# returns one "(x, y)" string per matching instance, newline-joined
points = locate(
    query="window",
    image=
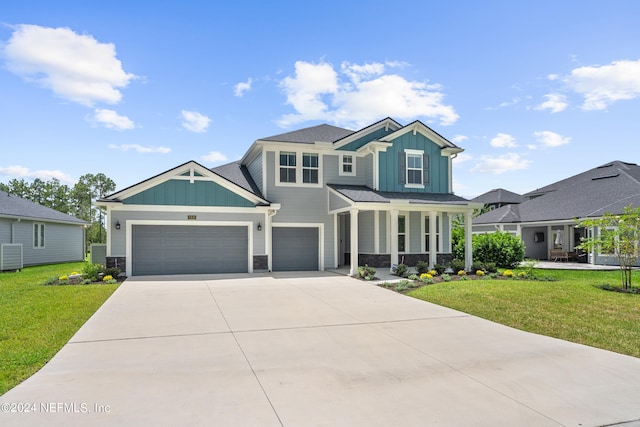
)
(414, 169)
(38, 235)
(426, 233)
(402, 233)
(287, 167)
(309, 168)
(347, 164)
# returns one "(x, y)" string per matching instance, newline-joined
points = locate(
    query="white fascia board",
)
(448, 151)
(419, 127)
(191, 209)
(387, 123)
(379, 145)
(176, 173)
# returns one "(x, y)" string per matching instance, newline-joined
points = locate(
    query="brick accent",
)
(117, 262)
(260, 262)
(384, 260)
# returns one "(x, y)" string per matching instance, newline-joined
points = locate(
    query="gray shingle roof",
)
(310, 135)
(361, 193)
(238, 175)
(14, 206)
(499, 195)
(607, 188)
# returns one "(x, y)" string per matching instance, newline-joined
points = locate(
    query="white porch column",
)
(354, 242)
(393, 236)
(376, 232)
(433, 242)
(468, 250)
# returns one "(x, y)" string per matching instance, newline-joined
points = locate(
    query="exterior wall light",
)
(259, 227)
(117, 225)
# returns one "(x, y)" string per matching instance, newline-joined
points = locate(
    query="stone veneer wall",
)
(260, 262)
(384, 260)
(117, 262)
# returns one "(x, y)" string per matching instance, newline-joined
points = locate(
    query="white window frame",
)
(407, 154)
(298, 168)
(288, 167)
(406, 233)
(39, 235)
(425, 232)
(311, 168)
(342, 164)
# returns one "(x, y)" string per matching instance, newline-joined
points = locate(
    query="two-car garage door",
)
(173, 249)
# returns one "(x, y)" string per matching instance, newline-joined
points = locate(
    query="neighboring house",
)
(498, 198)
(318, 198)
(32, 234)
(546, 221)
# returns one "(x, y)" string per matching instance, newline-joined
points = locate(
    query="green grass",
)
(36, 320)
(571, 308)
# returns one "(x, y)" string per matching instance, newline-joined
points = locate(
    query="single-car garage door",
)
(163, 249)
(295, 249)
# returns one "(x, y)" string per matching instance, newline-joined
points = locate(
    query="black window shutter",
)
(426, 176)
(402, 173)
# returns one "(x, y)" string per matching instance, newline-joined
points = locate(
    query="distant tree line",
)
(75, 200)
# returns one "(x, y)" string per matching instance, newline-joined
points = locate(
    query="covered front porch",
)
(384, 229)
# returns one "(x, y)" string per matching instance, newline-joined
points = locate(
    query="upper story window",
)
(310, 168)
(347, 164)
(298, 169)
(38, 235)
(287, 167)
(414, 168)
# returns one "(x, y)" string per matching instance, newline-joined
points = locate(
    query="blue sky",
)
(534, 91)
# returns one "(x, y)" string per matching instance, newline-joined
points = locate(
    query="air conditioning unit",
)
(10, 256)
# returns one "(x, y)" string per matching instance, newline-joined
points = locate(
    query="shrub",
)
(107, 278)
(426, 276)
(432, 273)
(462, 273)
(112, 271)
(504, 249)
(480, 273)
(366, 272)
(490, 267)
(91, 271)
(413, 277)
(477, 265)
(63, 278)
(85, 282)
(401, 270)
(508, 273)
(427, 280)
(457, 264)
(402, 286)
(51, 281)
(464, 277)
(422, 267)
(439, 268)
(446, 277)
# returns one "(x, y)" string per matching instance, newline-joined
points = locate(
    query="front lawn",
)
(571, 308)
(37, 320)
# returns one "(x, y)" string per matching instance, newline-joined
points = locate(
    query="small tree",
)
(618, 234)
(501, 248)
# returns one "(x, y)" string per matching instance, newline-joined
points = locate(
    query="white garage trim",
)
(131, 223)
(318, 225)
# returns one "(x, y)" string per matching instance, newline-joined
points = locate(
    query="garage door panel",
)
(295, 248)
(158, 249)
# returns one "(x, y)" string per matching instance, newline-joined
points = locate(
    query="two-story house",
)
(318, 198)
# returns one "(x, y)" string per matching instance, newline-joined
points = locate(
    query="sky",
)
(534, 91)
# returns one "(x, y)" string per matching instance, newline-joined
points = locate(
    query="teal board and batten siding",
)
(184, 193)
(390, 168)
(354, 145)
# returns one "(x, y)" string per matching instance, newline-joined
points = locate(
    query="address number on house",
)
(192, 217)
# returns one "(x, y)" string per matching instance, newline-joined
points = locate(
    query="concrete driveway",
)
(313, 349)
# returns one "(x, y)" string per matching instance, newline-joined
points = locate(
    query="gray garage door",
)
(295, 249)
(158, 249)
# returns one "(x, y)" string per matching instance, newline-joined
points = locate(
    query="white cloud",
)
(73, 66)
(140, 148)
(554, 102)
(194, 121)
(242, 87)
(112, 120)
(501, 164)
(462, 157)
(551, 139)
(601, 86)
(360, 94)
(44, 174)
(553, 77)
(459, 138)
(214, 157)
(503, 140)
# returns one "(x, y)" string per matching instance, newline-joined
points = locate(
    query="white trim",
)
(376, 232)
(318, 225)
(424, 216)
(386, 123)
(131, 222)
(42, 242)
(194, 209)
(341, 171)
(410, 152)
(336, 241)
(407, 232)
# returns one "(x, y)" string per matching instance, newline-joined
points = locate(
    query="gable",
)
(435, 165)
(176, 192)
(363, 140)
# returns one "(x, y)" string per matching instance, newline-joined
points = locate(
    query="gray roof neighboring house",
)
(607, 188)
(499, 196)
(17, 207)
(361, 193)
